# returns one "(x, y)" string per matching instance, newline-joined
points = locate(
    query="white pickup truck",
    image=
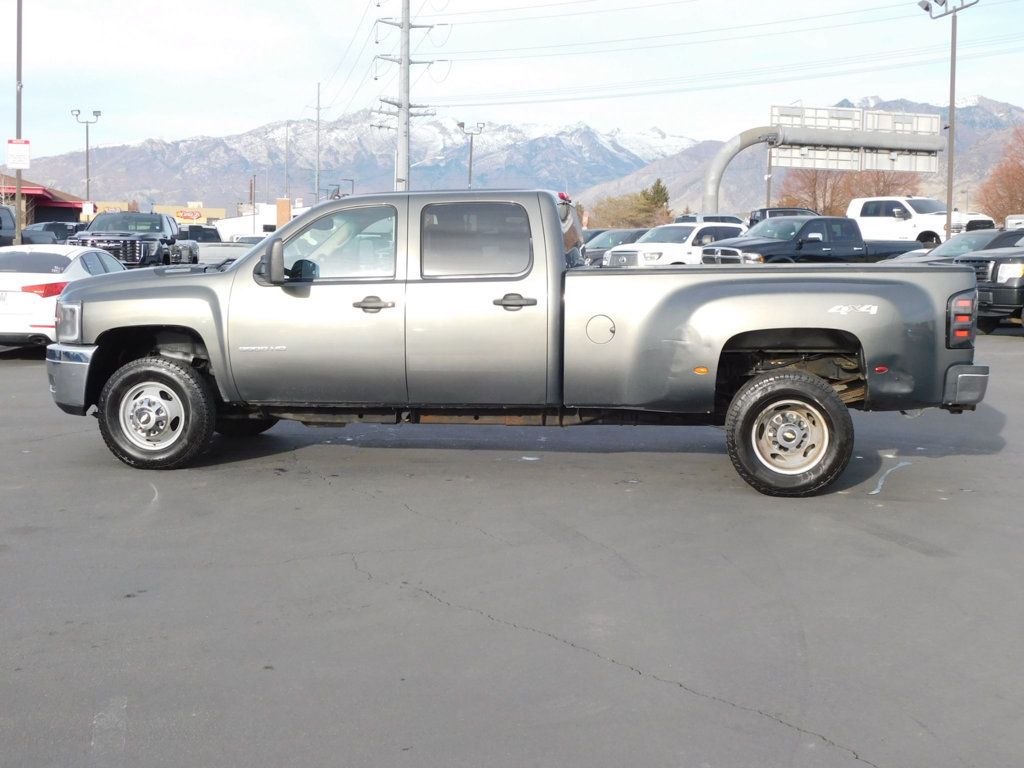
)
(911, 218)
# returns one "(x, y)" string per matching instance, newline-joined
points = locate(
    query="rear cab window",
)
(475, 239)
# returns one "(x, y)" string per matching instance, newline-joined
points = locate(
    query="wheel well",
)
(834, 355)
(122, 345)
(928, 237)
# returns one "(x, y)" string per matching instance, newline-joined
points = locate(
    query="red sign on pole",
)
(18, 154)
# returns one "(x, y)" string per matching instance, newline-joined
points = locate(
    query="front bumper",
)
(965, 385)
(67, 366)
(995, 300)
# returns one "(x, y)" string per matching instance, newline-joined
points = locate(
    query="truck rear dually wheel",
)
(157, 413)
(788, 433)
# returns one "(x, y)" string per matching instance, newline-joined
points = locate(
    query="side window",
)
(93, 265)
(891, 208)
(470, 239)
(705, 235)
(109, 262)
(6, 219)
(815, 227)
(842, 231)
(724, 233)
(872, 208)
(353, 243)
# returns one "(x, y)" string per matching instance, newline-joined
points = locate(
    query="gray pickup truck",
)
(461, 308)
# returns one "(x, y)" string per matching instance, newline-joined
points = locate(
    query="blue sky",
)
(700, 68)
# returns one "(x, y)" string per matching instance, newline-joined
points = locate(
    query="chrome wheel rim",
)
(152, 416)
(790, 437)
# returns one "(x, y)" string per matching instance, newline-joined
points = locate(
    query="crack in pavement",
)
(641, 673)
(458, 524)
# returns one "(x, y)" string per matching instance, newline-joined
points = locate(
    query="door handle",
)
(513, 302)
(826, 249)
(373, 304)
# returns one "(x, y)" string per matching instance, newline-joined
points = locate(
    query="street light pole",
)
(17, 173)
(96, 116)
(471, 133)
(931, 7)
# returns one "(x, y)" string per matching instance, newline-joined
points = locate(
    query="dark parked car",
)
(28, 237)
(1000, 275)
(61, 230)
(139, 239)
(596, 248)
(590, 234)
(967, 242)
(814, 239)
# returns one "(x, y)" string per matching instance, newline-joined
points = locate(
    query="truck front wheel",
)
(157, 413)
(788, 433)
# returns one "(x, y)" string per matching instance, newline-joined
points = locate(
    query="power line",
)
(516, 19)
(503, 10)
(693, 32)
(351, 42)
(721, 81)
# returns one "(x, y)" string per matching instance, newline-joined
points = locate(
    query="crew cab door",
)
(477, 304)
(335, 333)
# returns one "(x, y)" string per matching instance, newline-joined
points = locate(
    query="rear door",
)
(477, 303)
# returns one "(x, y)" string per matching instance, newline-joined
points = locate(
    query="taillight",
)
(45, 290)
(960, 314)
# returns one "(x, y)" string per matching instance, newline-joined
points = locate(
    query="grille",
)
(125, 251)
(982, 269)
(720, 256)
(622, 258)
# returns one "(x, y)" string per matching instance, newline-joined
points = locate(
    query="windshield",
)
(965, 243)
(776, 229)
(927, 205)
(34, 262)
(667, 234)
(126, 222)
(611, 238)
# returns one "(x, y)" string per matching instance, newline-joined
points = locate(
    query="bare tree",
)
(1002, 194)
(830, 192)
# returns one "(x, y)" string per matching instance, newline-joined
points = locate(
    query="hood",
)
(754, 244)
(139, 283)
(100, 235)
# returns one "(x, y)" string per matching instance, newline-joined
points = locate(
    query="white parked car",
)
(911, 218)
(669, 244)
(31, 279)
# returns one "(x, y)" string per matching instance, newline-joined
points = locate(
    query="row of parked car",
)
(786, 235)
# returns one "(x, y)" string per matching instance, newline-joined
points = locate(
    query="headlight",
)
(652, 255)
(1008, 272)
(606, 260)
(751, 258)
(68, 321)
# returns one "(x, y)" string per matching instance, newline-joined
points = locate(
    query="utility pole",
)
(402, 104)
(937, 10)
(287, 189)
(768, 181)
(17, 173)
(316, 181)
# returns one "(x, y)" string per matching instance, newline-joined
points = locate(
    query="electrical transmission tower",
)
(404, 110)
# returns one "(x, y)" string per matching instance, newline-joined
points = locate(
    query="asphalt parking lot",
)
(488, 596)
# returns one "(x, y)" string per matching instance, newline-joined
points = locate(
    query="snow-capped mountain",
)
(217, 170)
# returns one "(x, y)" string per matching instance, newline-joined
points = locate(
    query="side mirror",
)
(273, 262)
(899, 213)
(813, 237)
(707, 240)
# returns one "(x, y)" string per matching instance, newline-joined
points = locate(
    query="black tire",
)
(815, 419)
(167, 394)
(780, 260)
(986, 325)
(243, 427)
(929, 238)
